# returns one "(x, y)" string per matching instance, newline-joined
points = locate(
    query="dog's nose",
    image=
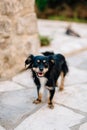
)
(41, 69)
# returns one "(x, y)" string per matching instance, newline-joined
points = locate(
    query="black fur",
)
(49, 66)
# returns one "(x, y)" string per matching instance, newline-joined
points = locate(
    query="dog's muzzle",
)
(40, 74)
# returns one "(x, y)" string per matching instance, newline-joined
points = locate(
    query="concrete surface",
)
(17, 112)
(60, 42)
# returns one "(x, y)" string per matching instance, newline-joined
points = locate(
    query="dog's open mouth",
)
(40, 74)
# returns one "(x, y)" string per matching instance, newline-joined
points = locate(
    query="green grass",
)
(63, 18)
(44, 40)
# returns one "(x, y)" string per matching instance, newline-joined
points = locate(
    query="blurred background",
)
(70, 10)
(32, 26)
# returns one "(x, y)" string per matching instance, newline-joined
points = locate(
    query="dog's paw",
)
(37, 101)
(61, 89)
(50, 105)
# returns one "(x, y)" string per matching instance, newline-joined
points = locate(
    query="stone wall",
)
(18, 35)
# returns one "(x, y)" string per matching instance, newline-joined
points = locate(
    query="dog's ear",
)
(51, 60)
(29, 61)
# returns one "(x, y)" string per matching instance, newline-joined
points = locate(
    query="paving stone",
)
(67, 44)
(24, 79)
(80, 28)
(62, 43)
(76, 76)
(59, 118)
(15, 106)
(74, 96)
(83, 126)
(81, 58)
(9, 86)
(52, 27)
(1, 128)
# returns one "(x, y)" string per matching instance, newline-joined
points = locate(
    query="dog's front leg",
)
(50, 103)
(38, 100)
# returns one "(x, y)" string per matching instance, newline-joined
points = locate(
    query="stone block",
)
(83, 126)
(26, 24)
(1, 128)
(5, 26)
(73, 96)
(25, 79)
(10, 7)
(15, 106)
(20, 47)
(9, 86)
(60, 118)
(75, 76)
(18, 35)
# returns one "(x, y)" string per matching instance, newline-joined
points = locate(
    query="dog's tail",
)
(65, 68)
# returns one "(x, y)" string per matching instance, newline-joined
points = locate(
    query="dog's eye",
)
(44, 61)
(38, 61)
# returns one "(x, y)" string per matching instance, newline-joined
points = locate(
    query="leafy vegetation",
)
(45, 41)
(70, 10)
(63, 18)
(41, 4)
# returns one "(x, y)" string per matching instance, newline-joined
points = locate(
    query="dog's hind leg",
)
(65, 70)
(61, 87)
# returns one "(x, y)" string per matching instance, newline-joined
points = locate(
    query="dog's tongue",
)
(40, 74)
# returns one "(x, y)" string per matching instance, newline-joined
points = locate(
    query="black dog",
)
(46, 70)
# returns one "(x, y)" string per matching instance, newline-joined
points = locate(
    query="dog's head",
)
(39, 64)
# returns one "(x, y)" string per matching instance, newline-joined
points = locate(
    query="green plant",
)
(45, 41)
(69, 10)
(41, 4)
(64, 18)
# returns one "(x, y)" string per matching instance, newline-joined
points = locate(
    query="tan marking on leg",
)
(40, 96)
(38, 100)
(50, 103)
(61, 87)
